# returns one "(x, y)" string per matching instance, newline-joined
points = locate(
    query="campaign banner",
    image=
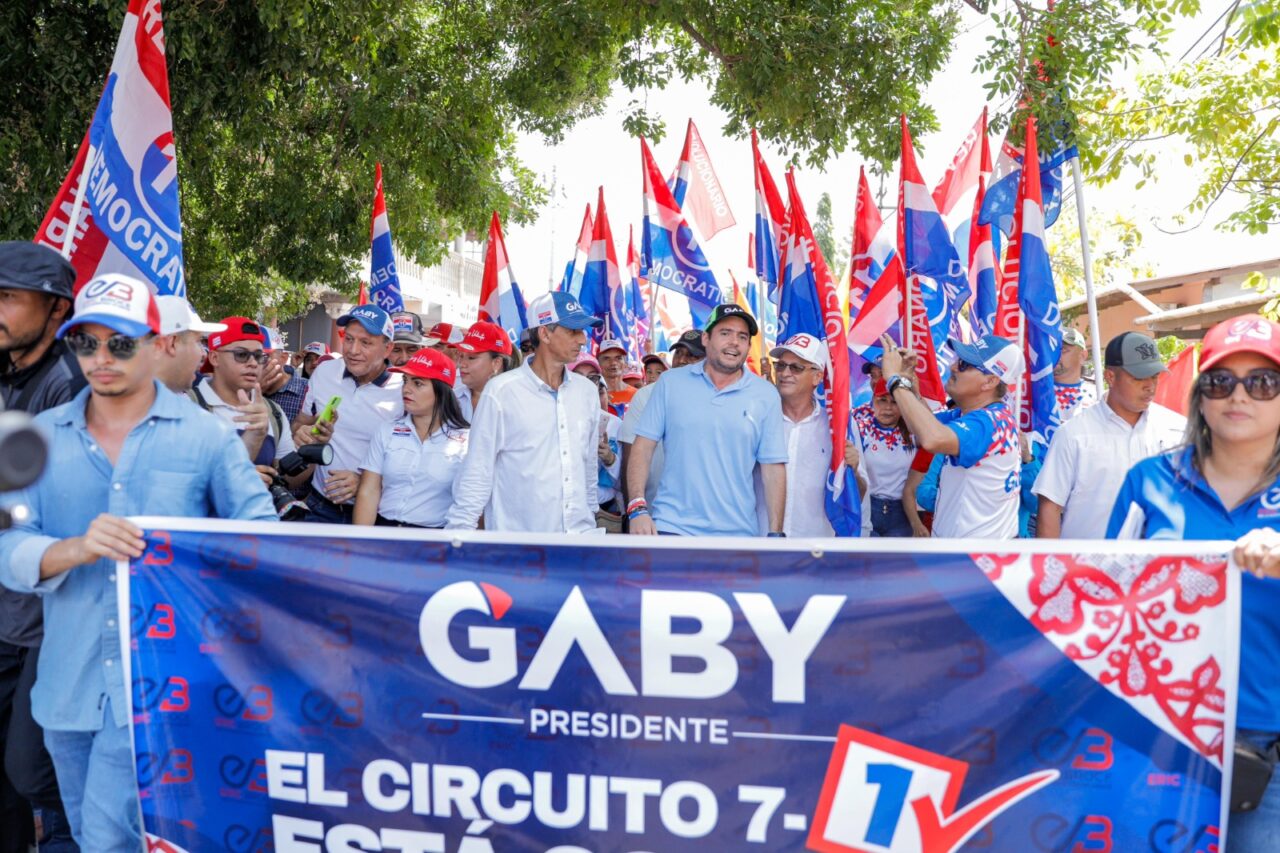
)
(321, 688)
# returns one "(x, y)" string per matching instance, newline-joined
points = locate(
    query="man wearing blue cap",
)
(979, 489)
(371, 396)
(531, 460)
(122, 447)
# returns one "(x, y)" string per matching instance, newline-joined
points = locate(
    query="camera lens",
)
(23, 451)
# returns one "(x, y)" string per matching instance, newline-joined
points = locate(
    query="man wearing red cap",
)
(445, 337)
(123, 447)
(483, 353)
(233, 392)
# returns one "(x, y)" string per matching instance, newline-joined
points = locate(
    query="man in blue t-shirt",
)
(716, 422)
(978, 489)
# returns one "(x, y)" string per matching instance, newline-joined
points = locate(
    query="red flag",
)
(916, 334)
(970, 161)
(1174, 387)
(866, 222)
(697, 189)
(362, 297)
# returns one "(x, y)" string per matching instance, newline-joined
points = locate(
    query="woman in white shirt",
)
(408, 475)
(887, 451)
(484, 352)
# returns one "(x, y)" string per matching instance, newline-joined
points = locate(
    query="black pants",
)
(27, 778)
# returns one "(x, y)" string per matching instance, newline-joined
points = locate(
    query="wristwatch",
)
(896, 382)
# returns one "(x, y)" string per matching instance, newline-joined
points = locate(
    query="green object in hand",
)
(326, 414)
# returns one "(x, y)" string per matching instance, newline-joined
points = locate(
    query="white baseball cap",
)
(610, 344)
(119, 302)
(811, 349)
(177, 315)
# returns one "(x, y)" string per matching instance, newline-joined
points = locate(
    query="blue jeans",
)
(327, 512)
(99, 788)
(1257, 831)
(888, 518)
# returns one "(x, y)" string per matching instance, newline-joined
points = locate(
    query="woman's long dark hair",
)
(447, 412)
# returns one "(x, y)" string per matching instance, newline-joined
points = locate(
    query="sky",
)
(598, 152)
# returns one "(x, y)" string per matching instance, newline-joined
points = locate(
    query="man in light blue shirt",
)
(716, 422)
(123, 446)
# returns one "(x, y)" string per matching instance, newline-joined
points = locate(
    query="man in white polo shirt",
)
(370, 397)
(799, 366)
(979, 489)
(1090, 455)
(531, 463)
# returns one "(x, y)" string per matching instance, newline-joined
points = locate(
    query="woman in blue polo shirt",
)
(413, 462)
(1225, 484)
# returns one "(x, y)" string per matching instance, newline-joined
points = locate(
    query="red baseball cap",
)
(429, 364)
(486, 337)
(238, 329)
(444, 333)
(1249, 333)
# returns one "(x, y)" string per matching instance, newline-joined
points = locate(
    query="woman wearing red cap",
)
(887, 451)
(483, 353)
(1224, 483)
(408, 475)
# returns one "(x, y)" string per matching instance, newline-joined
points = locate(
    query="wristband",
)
(775, 534)
(636, 513)
(636, 503)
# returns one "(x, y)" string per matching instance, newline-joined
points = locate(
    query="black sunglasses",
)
(122, 347)
(1261, 384)
(242, 356)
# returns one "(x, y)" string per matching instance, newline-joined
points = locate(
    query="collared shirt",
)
(1165, 497)
(362, 412)
(714, 438)
(1089, 457)
(627, 435)
(177, 461)
(979, 488)
(808, 443)
(886, 454)
(290, 397)
(271, 448)
(531, 465)
(1074, 398)
(463, 393)
(418, 476)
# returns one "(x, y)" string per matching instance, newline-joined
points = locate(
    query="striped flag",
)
(500, 298)
(384, 290)
(696, 188)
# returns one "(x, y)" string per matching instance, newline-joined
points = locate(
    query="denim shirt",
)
(178, 461)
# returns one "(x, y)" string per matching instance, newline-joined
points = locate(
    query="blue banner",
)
(314, 688)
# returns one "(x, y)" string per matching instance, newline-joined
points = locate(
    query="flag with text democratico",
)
(771, 224)
(500, 299)
(130, 221)
(384, 290)
(1039, 303)
(697, 190)
(811, 306)
(578, 266)
(929, 259)
(675, 259)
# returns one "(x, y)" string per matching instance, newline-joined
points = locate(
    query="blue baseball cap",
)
(992, 354)
(374, 319)
(560, 309)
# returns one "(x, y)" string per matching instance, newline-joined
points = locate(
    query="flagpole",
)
(79, 203)
(1091, 298)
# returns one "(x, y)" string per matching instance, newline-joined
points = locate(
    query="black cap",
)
(725, 310)
(30, 266)
(692, 341)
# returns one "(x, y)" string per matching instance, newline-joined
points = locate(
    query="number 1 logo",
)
(882, 796)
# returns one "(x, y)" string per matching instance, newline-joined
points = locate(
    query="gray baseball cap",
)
(1135, 354)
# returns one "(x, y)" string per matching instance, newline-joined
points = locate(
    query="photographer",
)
(37, 372)
(123, 447)
(408, 474)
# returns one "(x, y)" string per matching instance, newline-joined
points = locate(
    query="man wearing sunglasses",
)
(979, 489)
(37, 372)
(1091, 453)
(233, 392)
(123, 447)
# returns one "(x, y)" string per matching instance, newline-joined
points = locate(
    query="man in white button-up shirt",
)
(531, 465)
(1091, 454)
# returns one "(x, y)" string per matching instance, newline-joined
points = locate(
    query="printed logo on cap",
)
(110, 290)
(570, 305)
(800, 341)
(1258, 330)
(402, 324)
(1147, 352)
